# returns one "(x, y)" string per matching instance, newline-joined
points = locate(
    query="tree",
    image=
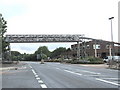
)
(57, 52)
(15, 55)
(4, 46)
(43, 50)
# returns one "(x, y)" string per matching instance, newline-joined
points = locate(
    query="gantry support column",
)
(9, 47)
(95, 49)
(78, 51)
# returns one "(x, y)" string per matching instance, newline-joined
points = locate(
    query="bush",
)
(53, 60)
(95, 60)
(89, 60)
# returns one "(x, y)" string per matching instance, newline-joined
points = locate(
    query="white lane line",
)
(58, 68)
(43, 86)
(73, 72)
(94, 75)
(40, 81)
(38, 78)
(33, 72)
(90, 72)
(111, 78)
(30, 66)
(107, 81)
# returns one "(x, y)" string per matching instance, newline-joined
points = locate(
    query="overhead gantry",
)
(38, 38)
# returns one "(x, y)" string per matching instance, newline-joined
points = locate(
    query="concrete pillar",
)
(9, 53)
(95, 49)
(78, 50)
(110, 50)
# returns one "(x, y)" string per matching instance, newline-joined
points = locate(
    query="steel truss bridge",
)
(33, 38)
(37, 38)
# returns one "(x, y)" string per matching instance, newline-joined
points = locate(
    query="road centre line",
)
(73, 72)
(107, 81)
(43, 86)
(33, 71)
(38, 79)
(36, 76)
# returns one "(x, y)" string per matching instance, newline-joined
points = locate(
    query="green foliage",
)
(44, 51)
(54, 60)
(57, 52)
(95, 60)
(29, 57)
(15, 55)
(3, 30)
(89, 60)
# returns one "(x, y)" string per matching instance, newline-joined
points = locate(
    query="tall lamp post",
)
(111, 45)
(111, 35)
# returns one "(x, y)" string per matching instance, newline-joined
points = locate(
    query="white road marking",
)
(30, 66)
(36, 75)
(73, 72)
(58, 68)
(40, 81)
(107, 81)
(90, 72)
(94, 75)
(33, 71)
(43, 86)
(112, 78)
(38, 78)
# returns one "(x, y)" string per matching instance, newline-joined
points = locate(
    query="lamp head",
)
(111, 18)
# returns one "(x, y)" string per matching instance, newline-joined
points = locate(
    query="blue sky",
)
(89, 17)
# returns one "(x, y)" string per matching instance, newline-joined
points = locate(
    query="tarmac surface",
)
(57, 75)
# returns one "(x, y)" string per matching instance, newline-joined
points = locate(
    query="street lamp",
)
(111, 35)
(111, 28)
(110, 48)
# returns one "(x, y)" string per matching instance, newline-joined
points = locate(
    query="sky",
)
(88, 17)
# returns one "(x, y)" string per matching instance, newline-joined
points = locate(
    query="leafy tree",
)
(4, 46)
(15, 55)
(57, 52)
(43, 50)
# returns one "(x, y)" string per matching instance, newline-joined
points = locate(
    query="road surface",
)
(57, 75)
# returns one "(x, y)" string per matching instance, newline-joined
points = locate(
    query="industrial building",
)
(102, 49)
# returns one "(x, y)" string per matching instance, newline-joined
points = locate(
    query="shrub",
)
(95, 60)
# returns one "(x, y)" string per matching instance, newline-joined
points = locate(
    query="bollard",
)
(42, 61)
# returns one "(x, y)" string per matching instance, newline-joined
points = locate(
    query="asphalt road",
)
(56, 75)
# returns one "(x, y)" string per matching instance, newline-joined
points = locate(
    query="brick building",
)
(88, 49)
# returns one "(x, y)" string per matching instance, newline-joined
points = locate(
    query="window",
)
(88, 46)
(97, 46)
(107, 46)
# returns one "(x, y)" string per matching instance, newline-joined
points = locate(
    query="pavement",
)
(57, 75)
